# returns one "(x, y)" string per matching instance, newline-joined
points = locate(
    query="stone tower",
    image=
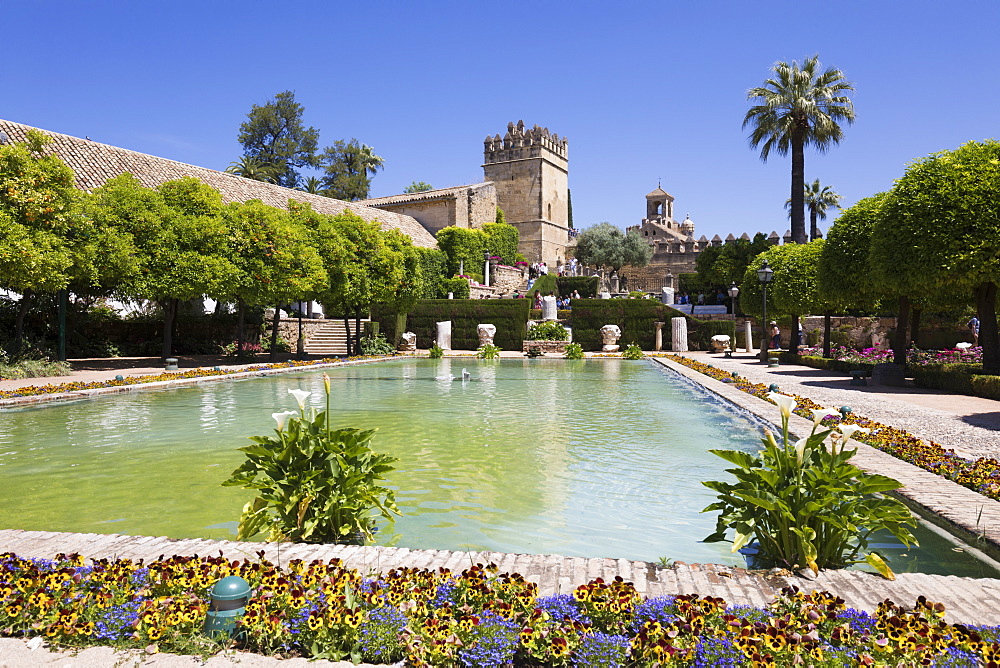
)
(660, 207)
(530, 170)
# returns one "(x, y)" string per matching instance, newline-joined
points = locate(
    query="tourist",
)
(543, 270)
(572, 266)
(576, 294)
(559, 269)
(538, 300)
(701, 299)
(974, 328)
(775, 335)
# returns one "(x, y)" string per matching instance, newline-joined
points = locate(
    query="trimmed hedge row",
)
(959, 378)
(823, 363)
(635, 317)
(585, 285)
(509, 315)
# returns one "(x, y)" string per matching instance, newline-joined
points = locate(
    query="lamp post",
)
(734, 292)
(765, 275)
(486, 268)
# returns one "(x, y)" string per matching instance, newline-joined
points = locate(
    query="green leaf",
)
(879, 565)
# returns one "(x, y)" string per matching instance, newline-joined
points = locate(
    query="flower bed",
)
(914, 356)
(476, 618)
(981, 475)
(61, 388)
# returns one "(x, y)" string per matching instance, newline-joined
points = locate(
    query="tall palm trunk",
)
(900, 341)
(813, 228)
(826, 335)
(169, 319)
(793, 340)
(798, 187)
(989, 337)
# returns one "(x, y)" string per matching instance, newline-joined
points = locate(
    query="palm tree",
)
(818, 200)
(798, 106)
(366, 161)
(250, 167)
(312, 185)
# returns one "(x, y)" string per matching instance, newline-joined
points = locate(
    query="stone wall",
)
(462, 206)
(288, 329)
(507, 279)
(545, 346)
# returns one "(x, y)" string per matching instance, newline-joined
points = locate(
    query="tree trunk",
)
(347, 334)
(900, 341)
(826, 335)
(813, 229)
(793, 340)
(240, 335)
(357, 329)
(989, 337)
(169, 317)
(915, 327)
(798, 187)
(22, 312)
(274, 334)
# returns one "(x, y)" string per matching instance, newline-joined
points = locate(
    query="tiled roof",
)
(94, 164)
(425, 195)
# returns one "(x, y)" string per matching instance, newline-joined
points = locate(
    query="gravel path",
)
(968, 425)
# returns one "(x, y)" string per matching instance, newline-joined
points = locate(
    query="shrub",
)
(488, 352)
(315, 484)
(549, 330)
(34, 369)
(459, 287)
(632, 352)
(585, 285)
(249, 352)
(804, 504)
(435, 351)
(282, 346)
(509, 315)
(573, 351)
(376, 345)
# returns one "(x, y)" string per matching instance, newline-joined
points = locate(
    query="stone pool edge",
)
(77, 395)
(968, 515)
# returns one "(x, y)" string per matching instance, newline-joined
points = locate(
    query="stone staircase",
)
(330, 340)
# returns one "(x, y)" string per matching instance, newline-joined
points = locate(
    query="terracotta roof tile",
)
(95, 163)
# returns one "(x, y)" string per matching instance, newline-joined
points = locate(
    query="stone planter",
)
(545, 346)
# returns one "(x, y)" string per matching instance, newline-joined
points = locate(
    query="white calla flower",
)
(820, 413)
(786, 404)
(282, 418)
(300, 396)
(849, 430)
(800, 449)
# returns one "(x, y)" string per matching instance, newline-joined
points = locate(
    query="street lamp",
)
(734, 292)
(486, 268)
(765, 275)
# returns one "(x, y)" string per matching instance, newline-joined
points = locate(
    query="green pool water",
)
(585, 458)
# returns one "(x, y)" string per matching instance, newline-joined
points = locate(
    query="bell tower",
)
(530, 169)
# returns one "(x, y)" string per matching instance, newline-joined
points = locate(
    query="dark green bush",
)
(585, 285)
(635, 317)
(509, 315)
(986, 386)
(815, 362)
(547, 331)
(947, 377)
(457, 286)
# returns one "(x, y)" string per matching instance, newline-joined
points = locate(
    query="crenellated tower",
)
(530, 169)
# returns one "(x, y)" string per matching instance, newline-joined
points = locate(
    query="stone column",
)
(679, 327)
(614, 281)
(658, 341)
(549, 308)
(749, 335)
(444, 335)
(486, 274)
(667, 295)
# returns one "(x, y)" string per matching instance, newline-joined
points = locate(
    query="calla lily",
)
(848, 430)
(786, 404)
(820, 413)
(300, 396)
(282, 418)
(800, 449)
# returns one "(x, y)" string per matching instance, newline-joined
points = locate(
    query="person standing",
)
(974, 328)
(775, 336)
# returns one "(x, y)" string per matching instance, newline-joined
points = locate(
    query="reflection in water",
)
(541, 456)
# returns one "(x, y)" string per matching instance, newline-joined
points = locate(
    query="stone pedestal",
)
(749, 336)
(549, 308)
(720, 343)
(614, 282)
(408, 342)
(679, 333)
(444, 335)
(658, 341)
(605, 295)
(486, 333)
(667, 296)
(609, 336)
(888, 373)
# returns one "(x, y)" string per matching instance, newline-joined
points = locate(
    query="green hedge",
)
(635, 317)
(459, 287)
(586, 285)
(948, 377)
(509, 315)
(823, 363)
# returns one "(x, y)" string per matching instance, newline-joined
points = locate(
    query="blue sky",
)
(642, 90)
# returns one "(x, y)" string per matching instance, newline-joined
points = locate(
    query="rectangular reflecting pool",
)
(582, 458)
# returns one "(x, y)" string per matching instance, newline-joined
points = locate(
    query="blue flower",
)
(560, 607)
(717, 653)
(601, 650)
(660, 609)
(378, 635)
(491, 644)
